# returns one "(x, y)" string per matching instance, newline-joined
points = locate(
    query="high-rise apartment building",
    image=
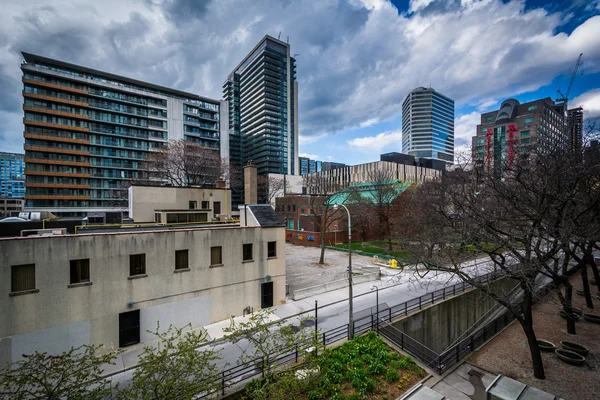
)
(516, 128)
(262, 96)
(575, 128)
(87, 131)
(12, 178)
(428, 125)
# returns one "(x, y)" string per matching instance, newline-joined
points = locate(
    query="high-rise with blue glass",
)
(428, 125)
(87, 131)
(12, 178)
(262, 97)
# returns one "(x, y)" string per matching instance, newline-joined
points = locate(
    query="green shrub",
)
(392, 376)
(376, 368)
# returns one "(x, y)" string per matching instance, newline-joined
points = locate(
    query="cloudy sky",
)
(357, 59)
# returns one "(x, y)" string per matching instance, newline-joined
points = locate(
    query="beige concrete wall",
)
(89, 314)
(143, 200)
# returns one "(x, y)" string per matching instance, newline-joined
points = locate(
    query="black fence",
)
(256, 368)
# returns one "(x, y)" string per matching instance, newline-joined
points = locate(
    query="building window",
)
(193, 205)
(137, 264)
(216, 208)
(489, 118)
(157, 217)
(216, 256)
(528, 120)
(524, 141)
(524, 133)
(181, 259)
(247, 256)
(532, 108)
(290, 223)
(272, 249)
(484, 130)
(80, 270)
(22, 277)
(205, 205)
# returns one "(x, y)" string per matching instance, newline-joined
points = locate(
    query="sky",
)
(356, 59)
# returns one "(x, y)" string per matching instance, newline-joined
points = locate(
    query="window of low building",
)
(137, 264)
(272, 249)
(193, 204)
(205, 205)
(247, 252)
(80, 270)
(22, 277)
(181, 259)
(216, 256)
(216, 208)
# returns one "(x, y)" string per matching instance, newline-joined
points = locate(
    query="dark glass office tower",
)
(262, 94)
(428, 125)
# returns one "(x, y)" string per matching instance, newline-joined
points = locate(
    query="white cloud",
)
(311, 156)
(465, 127)
(354, 71)
(590, 101)
(391, 141)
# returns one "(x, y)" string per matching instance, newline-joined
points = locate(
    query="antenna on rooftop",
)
(279, 36)
(288, 39)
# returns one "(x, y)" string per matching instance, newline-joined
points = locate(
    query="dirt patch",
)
(508, 353)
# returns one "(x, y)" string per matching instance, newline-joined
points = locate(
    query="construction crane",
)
(564, 98)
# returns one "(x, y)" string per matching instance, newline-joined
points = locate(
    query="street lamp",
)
(377, 304)
(350, 300)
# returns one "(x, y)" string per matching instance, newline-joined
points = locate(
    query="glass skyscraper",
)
(12, 178)
(87, 131)
(262, 96)
(428, 125)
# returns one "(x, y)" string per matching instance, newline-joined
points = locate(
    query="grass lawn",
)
(378, 247)
(364, 368)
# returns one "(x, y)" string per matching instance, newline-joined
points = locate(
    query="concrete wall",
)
(143, 200)
(60, 315)
(439, 325)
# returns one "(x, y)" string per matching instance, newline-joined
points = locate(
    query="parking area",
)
(304, 271)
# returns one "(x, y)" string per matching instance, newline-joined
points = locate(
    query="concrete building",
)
(262, 97)
(86, 132)
(516, 128)
(428, 125)
(10, 207)
(110, 288)
(12, 177)
(178, 204)
(332, 181)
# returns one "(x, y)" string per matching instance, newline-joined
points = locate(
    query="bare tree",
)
(383, 194)
(184, 163)
(363, 215)
(517, 220)
(272, 187)
(321, 188)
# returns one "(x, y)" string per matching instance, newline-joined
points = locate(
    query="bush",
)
(392, 376)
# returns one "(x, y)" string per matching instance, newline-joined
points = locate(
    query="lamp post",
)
(350, 299)
(376, 305)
